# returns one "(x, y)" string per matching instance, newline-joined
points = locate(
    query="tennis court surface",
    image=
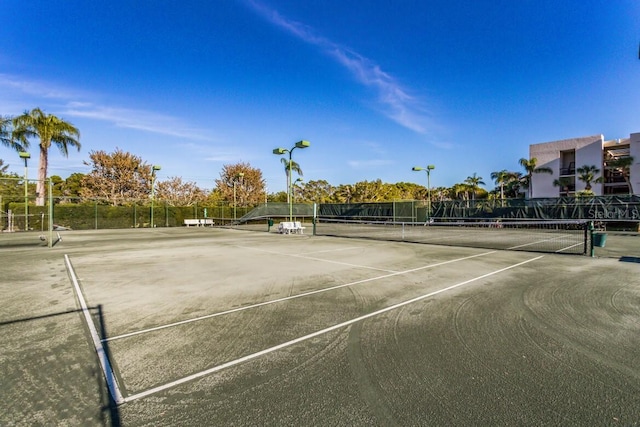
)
(229, 327)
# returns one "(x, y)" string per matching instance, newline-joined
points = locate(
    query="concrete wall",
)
(588, 151)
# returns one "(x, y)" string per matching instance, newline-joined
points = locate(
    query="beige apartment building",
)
(564, 157)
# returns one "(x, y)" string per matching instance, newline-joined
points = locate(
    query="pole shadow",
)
(109, 414)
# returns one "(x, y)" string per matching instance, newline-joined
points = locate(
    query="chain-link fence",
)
(19, 211)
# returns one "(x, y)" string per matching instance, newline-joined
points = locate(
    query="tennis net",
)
(568, 237)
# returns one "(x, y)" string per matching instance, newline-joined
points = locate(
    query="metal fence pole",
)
(50, 242)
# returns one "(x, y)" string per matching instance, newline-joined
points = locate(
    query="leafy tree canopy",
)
(247, 181)
(176, 192)
(118, 178)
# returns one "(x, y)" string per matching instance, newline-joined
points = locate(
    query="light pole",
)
(235, 180)
(24, 155)
(281, 151)
(428, 169)
(154, 169)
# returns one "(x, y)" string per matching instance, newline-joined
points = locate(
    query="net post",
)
(50, 243)
(590, 231)
(315, 216)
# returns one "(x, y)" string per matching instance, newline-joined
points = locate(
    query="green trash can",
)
(599, 239)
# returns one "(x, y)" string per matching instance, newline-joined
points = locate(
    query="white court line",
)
(334, 250)
(305, 294)
(314, 334)
(545, 241)
(112, 384)
(569, 247)
(320, 259)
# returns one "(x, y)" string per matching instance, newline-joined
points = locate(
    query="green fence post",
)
(50, 243)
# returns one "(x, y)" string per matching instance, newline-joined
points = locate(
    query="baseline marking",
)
(314, 334)
(112, 384)
(305, 294)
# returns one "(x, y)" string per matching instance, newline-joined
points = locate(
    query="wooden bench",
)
(288, 227)
(199, 222)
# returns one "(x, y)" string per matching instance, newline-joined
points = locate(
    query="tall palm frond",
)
(587, 174)
(474, 182)
(6, 135)
(531, 166)
(289, 167)
(623, 165)
(49, 129)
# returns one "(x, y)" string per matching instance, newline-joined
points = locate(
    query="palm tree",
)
(50, 130)
(531, 166)
(6, 137)
(461, 191)
(294, 167)
(623, 165)
(474, 182)
(512, 186)
(3, 168)
(503, 178)
(563, 182)
(587, 174)
(344, 193)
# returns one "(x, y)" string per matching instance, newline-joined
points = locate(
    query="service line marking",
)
(320, 259)
(304, 294)
(112, 384)
(552, 239)
(334, 250)
(315, 334)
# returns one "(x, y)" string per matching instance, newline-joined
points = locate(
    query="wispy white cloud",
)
(395, 101)
(142, 120)
(38, 88)
(71, 104)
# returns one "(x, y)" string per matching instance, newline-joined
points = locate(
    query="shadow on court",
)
(48, 378)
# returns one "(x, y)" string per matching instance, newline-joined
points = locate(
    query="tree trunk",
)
(628, 179)
(42, 174)
(288, 184)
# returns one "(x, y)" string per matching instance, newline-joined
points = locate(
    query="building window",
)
(567, 163)
(614, 181)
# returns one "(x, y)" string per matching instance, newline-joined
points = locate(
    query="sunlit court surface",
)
(212, 326)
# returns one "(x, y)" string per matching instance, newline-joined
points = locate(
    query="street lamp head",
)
(156, 168)
(303, 144)
(431, 167)
(417, 168)
(24, 155)
(279, 151)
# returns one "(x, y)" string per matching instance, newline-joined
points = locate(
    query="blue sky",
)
(376, 86)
